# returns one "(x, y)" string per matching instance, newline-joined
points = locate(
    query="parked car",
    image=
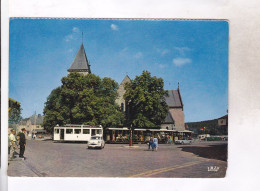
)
(183, 142)
(96, 142)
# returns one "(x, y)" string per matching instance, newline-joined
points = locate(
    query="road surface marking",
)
(166, 169)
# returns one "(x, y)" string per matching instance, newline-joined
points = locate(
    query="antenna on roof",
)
(178, 85)
(82, 37)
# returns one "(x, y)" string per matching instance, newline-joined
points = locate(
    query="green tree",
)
(15, 111)
(83, 100)
(145, 98)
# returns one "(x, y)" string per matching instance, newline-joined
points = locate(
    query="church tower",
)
(121, 91)
(80, 63)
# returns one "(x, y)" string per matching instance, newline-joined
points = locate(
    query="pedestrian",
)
(22, 143)
(12, 144)
(150, 144)
(155, 141)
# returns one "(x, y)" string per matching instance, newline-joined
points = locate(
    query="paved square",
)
(46, 158)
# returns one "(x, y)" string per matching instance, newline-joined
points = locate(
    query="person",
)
(22, 143)
(150, 143)
(12, 144)
(155, 141)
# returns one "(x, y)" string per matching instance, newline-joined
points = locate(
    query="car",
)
(183, 142)
(96, 142)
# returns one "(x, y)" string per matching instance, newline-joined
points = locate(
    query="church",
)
(175, 117)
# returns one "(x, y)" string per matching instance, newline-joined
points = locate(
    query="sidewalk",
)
(18, 167)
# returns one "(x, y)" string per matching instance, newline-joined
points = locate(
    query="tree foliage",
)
(212, 127)
(145, 98)
(83, 100)
(15, 111)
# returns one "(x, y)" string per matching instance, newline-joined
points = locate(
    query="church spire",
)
(82, 38)
(80, 63)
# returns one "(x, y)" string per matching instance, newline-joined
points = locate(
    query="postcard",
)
(118, 98)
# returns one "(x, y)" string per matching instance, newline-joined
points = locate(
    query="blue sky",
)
(193, 53)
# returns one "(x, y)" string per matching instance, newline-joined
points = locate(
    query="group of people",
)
(153, 143)
(13, 142)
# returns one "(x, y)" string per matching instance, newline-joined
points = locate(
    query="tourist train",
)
(72, 132)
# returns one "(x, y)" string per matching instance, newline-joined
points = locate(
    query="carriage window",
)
(85, 131)
(98, 131)
(77, 131)
(69, 131)
(57, 131)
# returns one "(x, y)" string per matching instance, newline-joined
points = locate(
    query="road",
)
(46, 158)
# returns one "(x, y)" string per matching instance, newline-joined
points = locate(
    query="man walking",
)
(12, 144)
(22, 143)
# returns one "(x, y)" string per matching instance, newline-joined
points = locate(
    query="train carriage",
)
(72, 132)
(122, 135)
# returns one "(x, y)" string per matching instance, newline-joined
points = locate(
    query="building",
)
(175, 117)
(121, 91)
(32, 124)
(80, 63)
(223, 121)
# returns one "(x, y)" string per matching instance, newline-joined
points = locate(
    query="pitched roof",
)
(224, 117)
(125, 80)
(80, 62)
(169, 119)
(174, 99)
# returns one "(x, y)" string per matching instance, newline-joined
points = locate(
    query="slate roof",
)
(169, 119)
(224, 117)
(80, 62)
(174, 99)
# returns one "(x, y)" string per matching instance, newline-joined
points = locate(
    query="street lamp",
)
(131, 136)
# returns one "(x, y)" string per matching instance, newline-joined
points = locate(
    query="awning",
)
(39, 131)
(185, 131)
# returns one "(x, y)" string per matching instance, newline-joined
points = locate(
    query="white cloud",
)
(162, 66)
(114, 27)
(182, 50)
(75, 29)
(73, 36)
(162, 51)
(69, 37)
(138, 55)
(165, 51)
(181, 61)
(70, 50)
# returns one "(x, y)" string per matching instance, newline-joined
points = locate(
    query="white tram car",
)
(76, 132)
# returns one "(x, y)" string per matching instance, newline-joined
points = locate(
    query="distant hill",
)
(212, 127)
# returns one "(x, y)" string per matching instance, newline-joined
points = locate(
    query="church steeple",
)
(80, 63)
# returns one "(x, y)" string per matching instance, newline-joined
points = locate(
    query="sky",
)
(191, 52)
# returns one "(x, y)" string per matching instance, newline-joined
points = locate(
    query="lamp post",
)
(131, 136)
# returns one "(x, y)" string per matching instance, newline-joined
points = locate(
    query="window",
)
(69, 131)
(122, 107)
(85, 131)
(95, 138)
(98, 131)
(77, 131)
(57, 131)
